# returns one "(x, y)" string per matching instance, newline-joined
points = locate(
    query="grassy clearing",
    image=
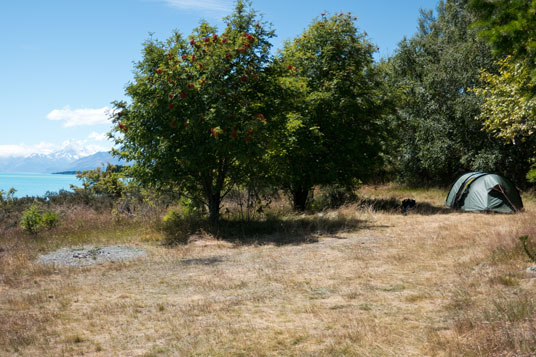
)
(361, 280)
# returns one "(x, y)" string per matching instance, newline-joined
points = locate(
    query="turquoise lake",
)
(37, 184)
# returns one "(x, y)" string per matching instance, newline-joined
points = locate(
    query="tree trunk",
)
(213, 187)
(214, 201)
(299, 197)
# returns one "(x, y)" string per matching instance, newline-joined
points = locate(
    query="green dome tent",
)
(479, 191)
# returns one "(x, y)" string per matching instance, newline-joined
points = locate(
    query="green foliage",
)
(191, 208)
(97, 182)
(200, 113)
(438, 136)
(179, 226)
(510, 27)
(333, 109)
(531, 175)
(509, 96)
(50, 219)
(31, 220)
(506, 111)
(35, 219)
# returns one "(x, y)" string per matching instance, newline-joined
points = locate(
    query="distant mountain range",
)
(60, 161)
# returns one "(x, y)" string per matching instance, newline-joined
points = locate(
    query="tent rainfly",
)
(480, 191)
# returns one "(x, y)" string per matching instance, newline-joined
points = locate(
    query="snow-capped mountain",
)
(99, 159)
(66, 159)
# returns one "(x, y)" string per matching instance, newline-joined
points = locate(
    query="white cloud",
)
(79, 117)
(77, 148)
(22, 150)
(212, 7)
(93, 143)
(98, 136)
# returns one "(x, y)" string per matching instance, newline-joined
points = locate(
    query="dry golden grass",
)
(432, 282)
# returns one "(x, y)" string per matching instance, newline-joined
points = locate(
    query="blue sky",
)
(64, 61)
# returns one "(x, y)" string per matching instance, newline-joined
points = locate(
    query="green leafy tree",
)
(200, 113)
(438, 135)
(510, 27)
(509, 95)
(333, 129)
(507, 111)
(108, 182)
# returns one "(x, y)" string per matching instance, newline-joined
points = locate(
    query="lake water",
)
(37, 184)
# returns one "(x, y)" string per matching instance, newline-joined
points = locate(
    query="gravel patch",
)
(88, 255)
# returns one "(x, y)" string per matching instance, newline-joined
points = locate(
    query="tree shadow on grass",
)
(426, 209)
(294, 229)
(394, 206)
(284, 231)
(203, 261)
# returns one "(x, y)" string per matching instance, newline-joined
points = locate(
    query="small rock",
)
(531, 270)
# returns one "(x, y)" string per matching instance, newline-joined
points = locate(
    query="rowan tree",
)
(199, 113)
(333, 132)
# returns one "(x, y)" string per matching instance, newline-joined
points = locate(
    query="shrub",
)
(50, 219)
(31, 219)
(178, 227)
(34, 219)
(334, 196)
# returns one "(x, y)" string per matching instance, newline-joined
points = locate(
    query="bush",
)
(178, 227)
(334, 196)
(34, 219)
(50, 219)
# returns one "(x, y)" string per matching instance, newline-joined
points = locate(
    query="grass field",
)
(376, 283)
